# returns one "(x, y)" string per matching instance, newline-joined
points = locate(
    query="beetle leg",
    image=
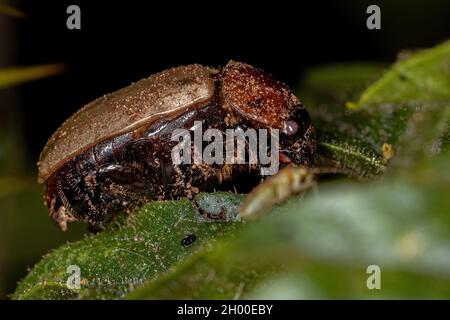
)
(121, 187)
(96, 227)
(289, 181)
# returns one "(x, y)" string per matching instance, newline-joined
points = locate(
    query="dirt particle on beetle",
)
(387, 151)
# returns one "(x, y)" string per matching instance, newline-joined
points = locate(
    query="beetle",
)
(114, 154)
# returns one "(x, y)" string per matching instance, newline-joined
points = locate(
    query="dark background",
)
(124, 41)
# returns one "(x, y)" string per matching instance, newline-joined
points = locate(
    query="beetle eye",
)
(290, 127)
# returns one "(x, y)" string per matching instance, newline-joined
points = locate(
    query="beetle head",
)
(266, 102)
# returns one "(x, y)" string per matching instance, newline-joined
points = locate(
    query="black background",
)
(124, 41)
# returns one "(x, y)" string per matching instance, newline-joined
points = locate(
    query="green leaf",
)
(423, 78)
(49, 291)
(130, 252)
(426, 134)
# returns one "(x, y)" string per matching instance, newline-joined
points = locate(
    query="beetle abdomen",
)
(96, 183)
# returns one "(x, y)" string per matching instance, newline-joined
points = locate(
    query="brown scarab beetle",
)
(115, 153)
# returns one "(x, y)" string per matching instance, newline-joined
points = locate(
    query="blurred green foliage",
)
(424, 77)
(27, 231)
(24, 232)
(313, 246)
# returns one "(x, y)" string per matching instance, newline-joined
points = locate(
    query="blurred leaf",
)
(11, 11)
(323, 246)
(17, 75)
(130, 252)
(424, 77)
(428, 129)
